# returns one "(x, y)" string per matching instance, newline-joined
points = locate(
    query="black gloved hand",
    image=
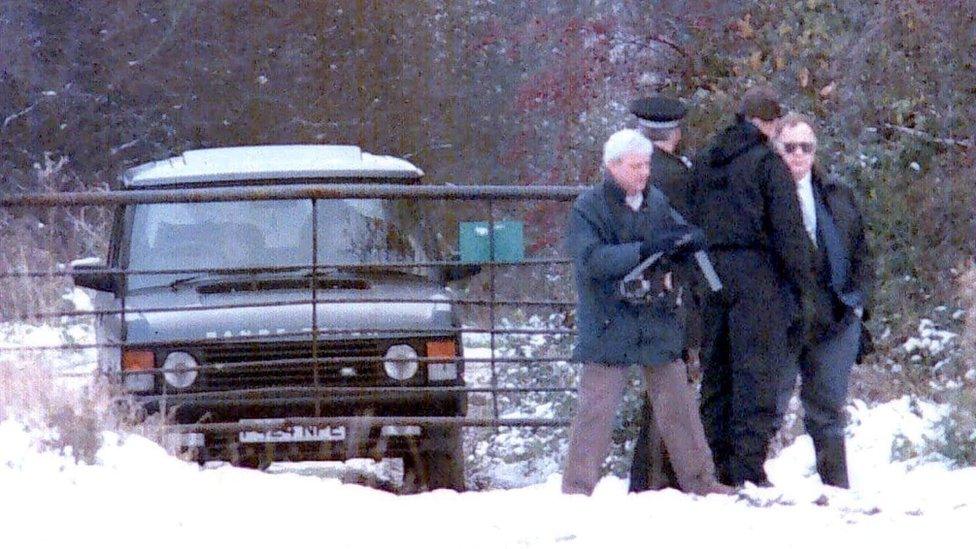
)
(676, 241)
(692, 241)
(817, 317)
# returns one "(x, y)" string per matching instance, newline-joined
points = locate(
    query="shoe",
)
(715, 488)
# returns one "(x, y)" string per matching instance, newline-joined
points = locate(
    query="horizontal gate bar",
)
(294, 191)
(366, 360)
(243, 394)
(363, 421)
(242, 339)
(253, 305)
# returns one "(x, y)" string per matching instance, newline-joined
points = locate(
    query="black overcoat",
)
(850, 288)
(675, 179)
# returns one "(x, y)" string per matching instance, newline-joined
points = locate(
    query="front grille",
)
(240, 365)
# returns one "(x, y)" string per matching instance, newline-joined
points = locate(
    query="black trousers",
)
(651, 467)
(747, 347)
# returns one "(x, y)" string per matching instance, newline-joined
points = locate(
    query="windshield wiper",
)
(242, 272)
(179, 282)
(289, 272)
(358, 269)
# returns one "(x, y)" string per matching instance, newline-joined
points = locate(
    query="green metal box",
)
(474, 241)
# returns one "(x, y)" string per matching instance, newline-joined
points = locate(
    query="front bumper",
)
(189, 408)
(375, 439)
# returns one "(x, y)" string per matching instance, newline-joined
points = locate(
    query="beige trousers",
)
(600, 392)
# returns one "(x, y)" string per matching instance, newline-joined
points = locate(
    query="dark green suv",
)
(234, 338)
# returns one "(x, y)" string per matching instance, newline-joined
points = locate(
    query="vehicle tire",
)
(438, 463)
(258, 463)
(253, 459)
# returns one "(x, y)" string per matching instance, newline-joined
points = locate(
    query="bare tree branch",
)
(668, 42)
(647, 40)
(174, 22)
(116, 150)
(964, 143)
(17, 115)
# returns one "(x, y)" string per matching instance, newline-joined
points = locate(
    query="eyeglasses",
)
(805, 146)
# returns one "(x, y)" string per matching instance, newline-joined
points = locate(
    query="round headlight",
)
(179, 369)
(401, 362)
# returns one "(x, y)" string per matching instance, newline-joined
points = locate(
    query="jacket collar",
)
(734, 141)
(821, 181)
(615, 194)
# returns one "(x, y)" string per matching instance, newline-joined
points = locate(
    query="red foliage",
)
(547, 106)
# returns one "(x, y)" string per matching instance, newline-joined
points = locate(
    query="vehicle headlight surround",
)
(180, 369)
(401, 362)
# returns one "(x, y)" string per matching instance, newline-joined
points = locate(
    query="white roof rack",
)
(268, 162)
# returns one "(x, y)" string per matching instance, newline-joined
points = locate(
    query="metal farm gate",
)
(486, 315)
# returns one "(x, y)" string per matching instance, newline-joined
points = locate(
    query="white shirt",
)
(634, 201)
(804, 191)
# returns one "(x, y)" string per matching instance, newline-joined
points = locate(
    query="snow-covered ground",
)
(135, 494)
(138, 495)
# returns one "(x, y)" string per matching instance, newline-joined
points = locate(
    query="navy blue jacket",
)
(604, 240)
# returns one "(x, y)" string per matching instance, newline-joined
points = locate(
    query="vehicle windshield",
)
(270, 233)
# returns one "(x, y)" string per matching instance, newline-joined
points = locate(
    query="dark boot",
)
(749, 468)
(723, 471)
(831, 461)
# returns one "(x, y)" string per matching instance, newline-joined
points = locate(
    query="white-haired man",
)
(613, 228)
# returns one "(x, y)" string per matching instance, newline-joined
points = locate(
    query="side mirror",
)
(90, 273)
(453, 273)
(443, 274)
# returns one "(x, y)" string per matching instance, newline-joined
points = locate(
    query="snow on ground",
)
(135, 494)
(72, 365)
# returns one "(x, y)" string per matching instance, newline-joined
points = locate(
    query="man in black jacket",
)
(832, 219)
(745, 203)
(659, 119)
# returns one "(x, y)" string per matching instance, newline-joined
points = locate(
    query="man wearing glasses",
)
(833, 223)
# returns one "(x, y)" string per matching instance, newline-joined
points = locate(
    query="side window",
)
(116, 245)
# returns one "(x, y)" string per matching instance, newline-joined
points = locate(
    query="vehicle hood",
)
(230, 315)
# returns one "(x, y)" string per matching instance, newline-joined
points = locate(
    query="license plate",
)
(292, 433)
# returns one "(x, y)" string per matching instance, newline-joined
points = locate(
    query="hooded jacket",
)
(746, 203)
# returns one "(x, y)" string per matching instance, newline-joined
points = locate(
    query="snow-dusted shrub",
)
(931, 360)
(967, 294)
(517, 456)
(956, 438)
(956, 432)
(46, 239)
(929, 432)
(71, 419)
